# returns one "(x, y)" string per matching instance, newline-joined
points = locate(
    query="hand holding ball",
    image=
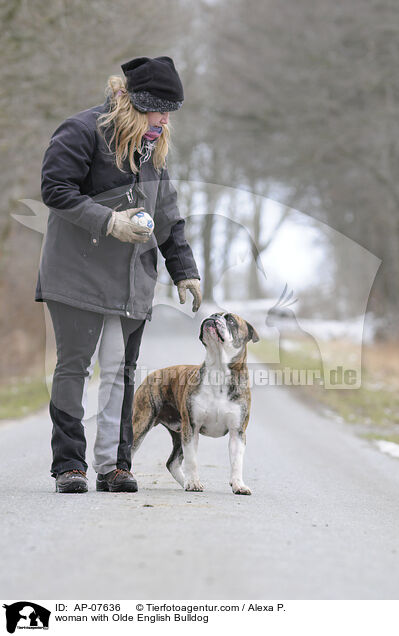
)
(131, 226)
(144, 220)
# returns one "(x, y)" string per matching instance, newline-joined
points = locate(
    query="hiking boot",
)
(117, 480)
(71, 481)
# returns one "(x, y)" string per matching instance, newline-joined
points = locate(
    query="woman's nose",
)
(165, 118)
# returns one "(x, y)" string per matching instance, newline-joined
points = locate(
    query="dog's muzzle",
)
(211, 323)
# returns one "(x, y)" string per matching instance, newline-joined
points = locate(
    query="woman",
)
(98, 268)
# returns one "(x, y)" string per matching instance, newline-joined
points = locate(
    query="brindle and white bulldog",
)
(213, 399)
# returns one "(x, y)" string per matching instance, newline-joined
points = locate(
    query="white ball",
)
(143, 219)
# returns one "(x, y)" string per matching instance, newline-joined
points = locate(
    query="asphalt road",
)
(322, 522)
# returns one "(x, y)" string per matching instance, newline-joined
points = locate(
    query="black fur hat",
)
(153, 84)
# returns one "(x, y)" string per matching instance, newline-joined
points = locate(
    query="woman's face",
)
(157, 119)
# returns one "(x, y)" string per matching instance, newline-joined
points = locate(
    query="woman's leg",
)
(117, 356)
(76, 333)
(132, 334)
(111, 355)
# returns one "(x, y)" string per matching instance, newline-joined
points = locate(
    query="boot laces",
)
(120, 471)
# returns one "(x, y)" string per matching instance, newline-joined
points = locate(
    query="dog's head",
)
(226, 330)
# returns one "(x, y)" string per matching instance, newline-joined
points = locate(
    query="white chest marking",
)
(214, 413)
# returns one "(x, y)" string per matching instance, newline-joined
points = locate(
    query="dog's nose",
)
(207, 321)
(213, 319)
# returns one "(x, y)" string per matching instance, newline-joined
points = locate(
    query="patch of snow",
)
(390, 448)
(290, 345)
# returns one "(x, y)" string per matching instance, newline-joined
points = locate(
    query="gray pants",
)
(109, 353)
(81, 336)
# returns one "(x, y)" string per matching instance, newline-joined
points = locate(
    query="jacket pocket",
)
(149, 261)
(115, 202)
(117, 199)
(145, 275)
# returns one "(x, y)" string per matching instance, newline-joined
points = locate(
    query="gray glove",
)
(121, 227)
(193, 285)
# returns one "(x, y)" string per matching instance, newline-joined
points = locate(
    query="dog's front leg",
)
(190, 434)
(236, 452)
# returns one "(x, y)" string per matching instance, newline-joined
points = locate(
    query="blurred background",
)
(285, 156)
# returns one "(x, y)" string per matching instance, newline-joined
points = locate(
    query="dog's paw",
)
(240, 489)
(193, 485)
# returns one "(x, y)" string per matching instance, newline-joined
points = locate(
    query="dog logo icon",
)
(26, 615)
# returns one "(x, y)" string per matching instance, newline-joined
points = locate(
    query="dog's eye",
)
(229, 318)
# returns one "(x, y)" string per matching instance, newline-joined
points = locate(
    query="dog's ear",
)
(252, 333)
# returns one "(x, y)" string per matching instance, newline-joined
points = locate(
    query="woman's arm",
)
(169, 232)
(66, 164)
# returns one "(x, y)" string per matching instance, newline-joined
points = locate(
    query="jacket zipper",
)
(129, 194)
(136, 247)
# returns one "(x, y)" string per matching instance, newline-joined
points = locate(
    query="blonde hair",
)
(128, 127)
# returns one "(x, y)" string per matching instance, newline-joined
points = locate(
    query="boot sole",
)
(102, 486)
(73, 488)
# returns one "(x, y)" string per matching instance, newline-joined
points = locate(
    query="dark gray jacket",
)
(80, 265)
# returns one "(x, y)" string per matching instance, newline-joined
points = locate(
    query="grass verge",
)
(22, 396)
(373, 408)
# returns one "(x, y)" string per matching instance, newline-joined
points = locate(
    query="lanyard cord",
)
(146, 151)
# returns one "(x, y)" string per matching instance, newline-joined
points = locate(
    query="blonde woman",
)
(99, 268)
